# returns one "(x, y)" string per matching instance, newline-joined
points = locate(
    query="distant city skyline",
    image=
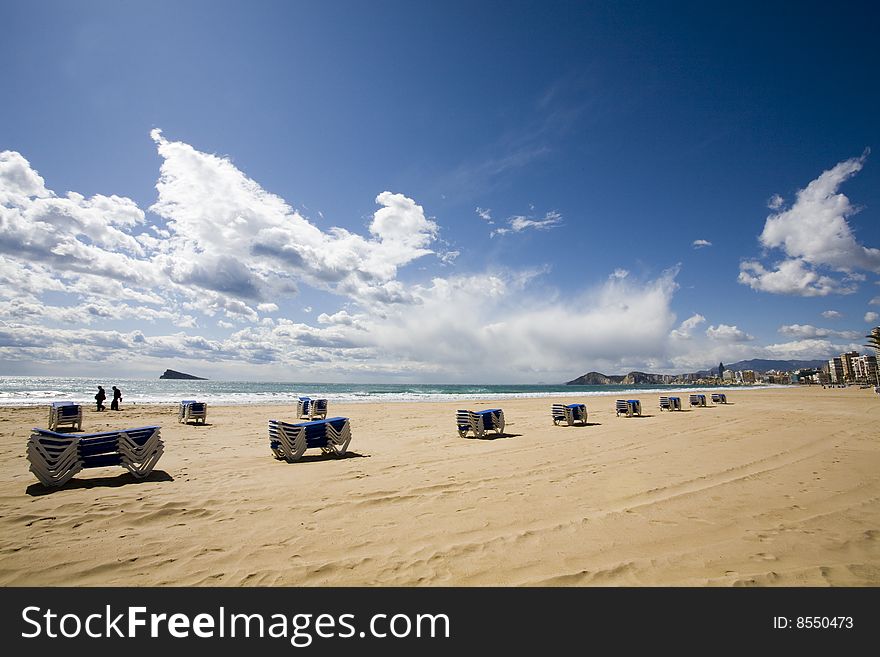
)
(435, 192)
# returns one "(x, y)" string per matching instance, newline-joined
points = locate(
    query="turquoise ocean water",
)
(23, 390)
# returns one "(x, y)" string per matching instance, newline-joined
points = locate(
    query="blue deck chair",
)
(65, 414)
(569, 413)
(289, 441)
(56, 457)
(698, 400)
(319, 408)
(628, 407)
(309, 409)
(670, 404)
(479, 422)
(190, 409)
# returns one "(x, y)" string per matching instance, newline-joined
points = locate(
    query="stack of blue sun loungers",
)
(289, 441)
(309, 408)
(628, 407)
(698, 400)
(670, 404)
(190, 409)
(719, 398)
(569, 413)
(65, 414)
(56, 457)
(479, 422)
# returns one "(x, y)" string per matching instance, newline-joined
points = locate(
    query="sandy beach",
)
(778, 488)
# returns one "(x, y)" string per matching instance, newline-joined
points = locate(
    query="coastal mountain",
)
(173, 374)
(633, 378)
(639, 378)
(594, 379)
(762, 365)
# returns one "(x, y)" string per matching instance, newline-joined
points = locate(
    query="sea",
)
(36, 390)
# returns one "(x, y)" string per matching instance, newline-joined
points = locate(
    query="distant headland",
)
(172, 374)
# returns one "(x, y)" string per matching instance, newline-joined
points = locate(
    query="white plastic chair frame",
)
(61, 414)
(564, 413)
(466, 421)
(289, 441)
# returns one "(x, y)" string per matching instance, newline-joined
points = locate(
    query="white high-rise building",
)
(865, 369)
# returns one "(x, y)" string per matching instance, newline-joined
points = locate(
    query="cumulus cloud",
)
(831, 314)
(515, 330)
(685, 329)
(728, 333)
(806, 349)
(791, 277)
(225, 247)
(814, 234)
(226, 228)
(71, 234)
(809, 331)
(699, 244)
(871, 317)
(225, 252)
(520, 223)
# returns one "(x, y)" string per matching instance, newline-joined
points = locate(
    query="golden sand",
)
(779, 487)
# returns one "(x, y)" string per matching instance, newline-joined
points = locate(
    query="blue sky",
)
(414, 191)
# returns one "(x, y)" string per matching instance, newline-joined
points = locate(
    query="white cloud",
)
(808, 331)
(341, 317)
(226, 247)
(514, 331)
(74, 235)
(806, 349)
(871, 317)
(874, 302)
(699, 244)
(227, 252)
(229, 235)
(814, 233)
(448, 257)
(18, 180)
(520, 223)
(685, 329)
(775, 202)
(791, 277)
(727, 333)
(485, 215)
(831, 314)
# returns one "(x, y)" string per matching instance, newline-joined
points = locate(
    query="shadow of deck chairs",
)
(115, 481)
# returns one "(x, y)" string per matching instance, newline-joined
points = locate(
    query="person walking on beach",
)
(117, 397)
(99, 398)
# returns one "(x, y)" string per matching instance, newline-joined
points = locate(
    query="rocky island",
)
(172, 374)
